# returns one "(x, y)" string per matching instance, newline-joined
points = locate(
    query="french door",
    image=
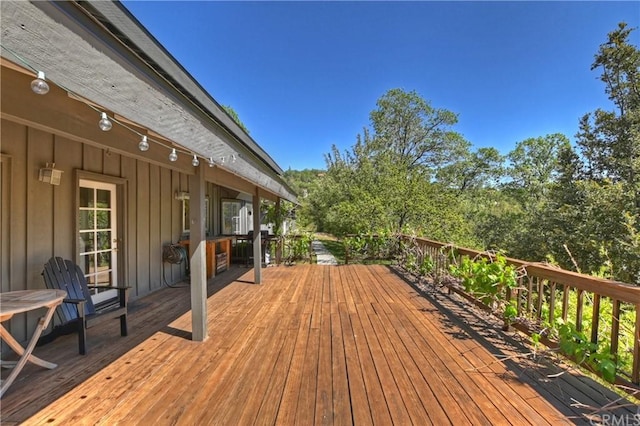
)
(98, 237)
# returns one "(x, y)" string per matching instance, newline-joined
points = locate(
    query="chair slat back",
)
(60, 274)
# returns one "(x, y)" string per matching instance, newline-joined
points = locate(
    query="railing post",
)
(346, 253)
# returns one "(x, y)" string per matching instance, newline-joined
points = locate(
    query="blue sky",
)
(303, 76)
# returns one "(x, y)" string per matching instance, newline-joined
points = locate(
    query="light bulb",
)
(144, 144)
(39, 85)
(222, 160)
(233, 158)
(104, 123)
(211, 163)
(174, 155)
(195, 161)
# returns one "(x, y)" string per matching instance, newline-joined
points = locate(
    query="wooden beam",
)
(198, 246)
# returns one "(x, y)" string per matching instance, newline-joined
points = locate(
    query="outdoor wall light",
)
(39, 85)
(195, 161)
(144, 144)
(104, 123)
(210, 161)
(173, 156)
(181, 195)
(50, 175)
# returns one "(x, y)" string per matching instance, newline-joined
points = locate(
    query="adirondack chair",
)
(60, 274)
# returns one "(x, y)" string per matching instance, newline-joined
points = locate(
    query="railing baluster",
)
(579, 310)
(552, 304)
(565, 301)
(505, 325)
(615, 327)
(635, 375)
(595, 319)
(529, 296)
(540, 296)
(519, 297)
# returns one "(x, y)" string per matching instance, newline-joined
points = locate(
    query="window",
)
(231, 224)
(186, 222)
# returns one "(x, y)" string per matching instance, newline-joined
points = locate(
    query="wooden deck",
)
(311, 345)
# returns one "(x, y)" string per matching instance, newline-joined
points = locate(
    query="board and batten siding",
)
(38, 219)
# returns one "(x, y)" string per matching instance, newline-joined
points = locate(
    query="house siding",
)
(38, 219)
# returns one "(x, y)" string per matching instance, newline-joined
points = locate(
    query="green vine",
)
(487, 280)
(576, 345)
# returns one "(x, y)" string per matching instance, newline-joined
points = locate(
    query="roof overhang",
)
(98, 51)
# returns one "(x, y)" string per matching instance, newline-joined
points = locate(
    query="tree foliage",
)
(386, 180)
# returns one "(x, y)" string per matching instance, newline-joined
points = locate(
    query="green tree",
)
(594, 209)
(385, 181)
(610, 140)
(306, 184)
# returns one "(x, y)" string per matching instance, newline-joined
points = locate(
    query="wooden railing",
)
(546, 293)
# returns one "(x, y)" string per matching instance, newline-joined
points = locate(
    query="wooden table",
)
(15, 302)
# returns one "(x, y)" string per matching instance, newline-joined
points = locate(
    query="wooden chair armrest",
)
(79, 306)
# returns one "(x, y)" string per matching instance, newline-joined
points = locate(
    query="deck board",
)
(313, 344)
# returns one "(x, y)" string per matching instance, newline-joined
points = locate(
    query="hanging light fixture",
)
(210, 161)
(173, 156)
(233, 158)
(39, 85)
(144, 144)
(222, 160)
(104, 123)
(195, 161)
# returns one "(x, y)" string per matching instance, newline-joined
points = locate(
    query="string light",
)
(144, 144)
(104, 123)
(39, 85)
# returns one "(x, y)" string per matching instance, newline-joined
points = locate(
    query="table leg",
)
(25, 353)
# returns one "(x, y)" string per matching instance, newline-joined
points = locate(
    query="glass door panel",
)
(98, 241)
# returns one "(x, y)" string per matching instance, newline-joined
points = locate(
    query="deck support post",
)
(257, 240)
(279, 231)
(198, 246)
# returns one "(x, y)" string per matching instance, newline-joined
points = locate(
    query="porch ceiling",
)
(99, 51)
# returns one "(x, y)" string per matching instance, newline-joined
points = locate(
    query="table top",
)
(14, 302)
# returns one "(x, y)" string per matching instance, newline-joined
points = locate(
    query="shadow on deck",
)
(313, 344)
